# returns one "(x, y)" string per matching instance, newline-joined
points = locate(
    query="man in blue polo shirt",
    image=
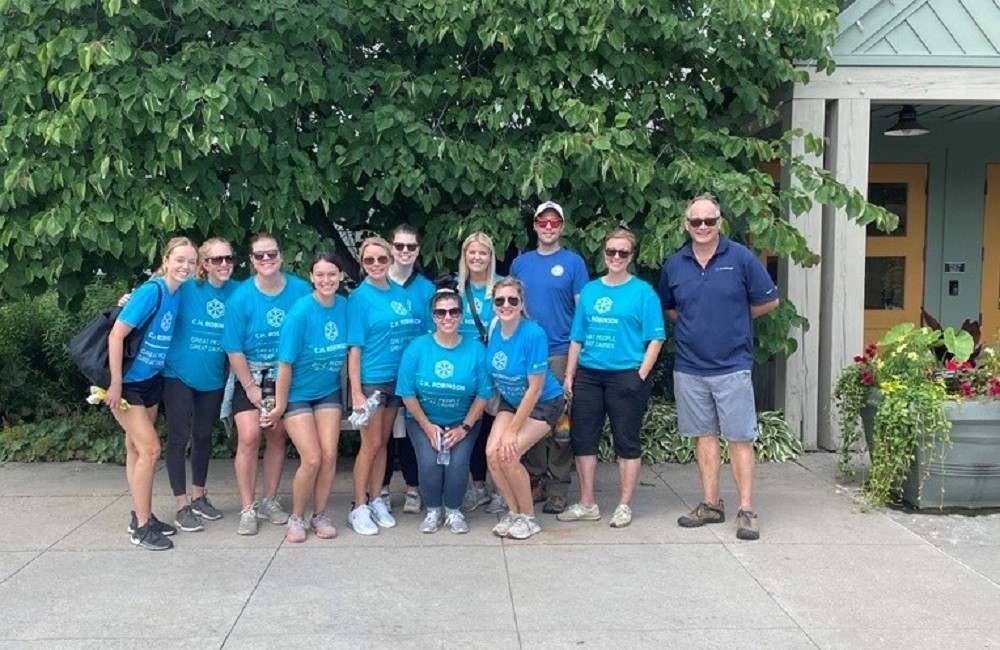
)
(712, 289)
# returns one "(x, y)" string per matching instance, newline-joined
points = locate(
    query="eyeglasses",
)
(219, 260)
(500, 301)
(708, 221)
(614, 252)
(441, 313)
(262, 255)
(548, 223)
(381, 259)
(405, 247)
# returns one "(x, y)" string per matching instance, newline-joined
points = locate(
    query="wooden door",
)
(990, 319)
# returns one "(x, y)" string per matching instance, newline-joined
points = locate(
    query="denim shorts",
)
(720, 405)
(548, 411)
(147, 392)
(389, 397)
(331, 401)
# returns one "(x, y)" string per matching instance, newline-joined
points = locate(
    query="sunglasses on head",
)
(407, 247)
(262, 255)
(708, 221)
(218, 260)
(500, 301)
(615, 252)
(451, 311)
(548, 223)
(381, 259)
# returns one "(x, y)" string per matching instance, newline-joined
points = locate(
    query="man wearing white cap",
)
(552, 278)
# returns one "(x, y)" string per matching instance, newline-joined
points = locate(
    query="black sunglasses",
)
(218, 260)
(381, 259)
(261, 255)
(614, 252)
(408, 247)
(708, 221)
(441, 313)
(500, 301)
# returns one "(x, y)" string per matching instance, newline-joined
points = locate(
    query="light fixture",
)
(906, 125)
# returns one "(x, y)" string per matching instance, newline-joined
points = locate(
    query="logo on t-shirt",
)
(479, 305)
(276, 317)
(215, 308)
(399, 308)
(167, 319)
(330, 331)
(500, 361)
(444, 369)
(558, 270)
(603, 305)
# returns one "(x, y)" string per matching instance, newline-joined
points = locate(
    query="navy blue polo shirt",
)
(714, 330)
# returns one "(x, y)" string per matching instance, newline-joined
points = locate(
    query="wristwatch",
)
(466, 426)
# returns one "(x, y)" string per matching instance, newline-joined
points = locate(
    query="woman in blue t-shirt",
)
(194, 379)
(444, 385)
(311, 351)
(141, 386)
(381, 322)
(616, 336)
(517, 357)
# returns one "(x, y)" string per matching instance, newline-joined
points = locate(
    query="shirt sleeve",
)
(235, 328)
(290, 339)
(760, 288)
(408, 369)
(580, 276)
(357, 320)
(140, 305)
(667, 300)
(484, 384)
(536, 351)
(652, 316)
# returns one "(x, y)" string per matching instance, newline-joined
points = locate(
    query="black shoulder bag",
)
(471, 298)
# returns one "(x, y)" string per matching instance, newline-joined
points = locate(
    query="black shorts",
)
(147, 392)
(241, 402)
(548, 411)
(389, 398)
(618, 395)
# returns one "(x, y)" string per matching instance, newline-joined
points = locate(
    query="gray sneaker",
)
(414, 503)
(186, 520)
(270, 509)
(381, 514)
(204, 508)
(475, 497)
(504, 525)
(525, 527)
(432, 521)
(248, 520)
(580, 512)
(360, 520)
(386, 498)
(150, 538)
(704, 513)
(295, 529)
(747, 526)
(497, 505)
(622, 516)
(456, 521)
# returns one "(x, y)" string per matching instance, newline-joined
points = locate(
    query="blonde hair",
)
(202, 273)
(622, 233)
(372, 241)
(463, 268)
(172, 245)
(515, 284)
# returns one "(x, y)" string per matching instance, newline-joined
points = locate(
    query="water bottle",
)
(267, 392)
(444, 454)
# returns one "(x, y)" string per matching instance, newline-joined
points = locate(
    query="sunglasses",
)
(709, 221)
(548, 223)
(219, 260)
(500, 301)
(405, 247)
(262, 255)
(614, 252)
(381, 259)
(441, 313)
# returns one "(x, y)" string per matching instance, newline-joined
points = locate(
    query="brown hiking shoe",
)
(747, 526)
(705, 513)
(537, 489)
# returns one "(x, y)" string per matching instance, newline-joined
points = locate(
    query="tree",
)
(127, 120)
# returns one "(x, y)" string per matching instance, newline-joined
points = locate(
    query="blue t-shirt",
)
(153, 349)
(382, 323)
(551, 283)
(615, 323)
(714, 330)
(420, 290)
(313, 341)
(196, 356)
(444, 380)
(253, 318)
(510, 361)
(483, 305)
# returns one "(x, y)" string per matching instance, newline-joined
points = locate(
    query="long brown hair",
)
(172, 245)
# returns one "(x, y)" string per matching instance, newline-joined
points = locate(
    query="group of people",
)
(483, 366)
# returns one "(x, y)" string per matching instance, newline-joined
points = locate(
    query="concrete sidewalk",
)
(826, 573)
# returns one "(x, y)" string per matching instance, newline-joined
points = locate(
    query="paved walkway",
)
(827, 573)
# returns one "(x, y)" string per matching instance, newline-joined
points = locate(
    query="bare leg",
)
(709, 464)
(247, 448)
(328, 431)
(628, 474)
(493, 461)
(274, 458)
(371, 442)
(302, 431)
(143, 448)
(514, 471)
(387, 417)
(586, 469)
(742, 460)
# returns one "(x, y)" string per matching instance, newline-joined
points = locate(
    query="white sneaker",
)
(360, 521)
(248, 520)
(381, 514)
(456, 521)
(432, 521)
(497, 505)
(525, 527)
(386, 498)
(504, 525)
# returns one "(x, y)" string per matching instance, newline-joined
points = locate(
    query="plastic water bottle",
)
(361, 417)
(444, 454)
(267, 393)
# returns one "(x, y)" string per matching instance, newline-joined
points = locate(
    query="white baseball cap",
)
(549, 205)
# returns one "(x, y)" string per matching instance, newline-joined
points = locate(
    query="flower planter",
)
(968, 474)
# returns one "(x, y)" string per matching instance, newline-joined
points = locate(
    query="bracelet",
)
(246, 387)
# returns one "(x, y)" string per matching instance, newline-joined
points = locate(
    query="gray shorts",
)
(331, 401)
(720, 405)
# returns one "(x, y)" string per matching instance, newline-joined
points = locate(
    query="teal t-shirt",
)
(615, 323)
(153, 349)
(381, 322)
(254, 319)
(483, 305)
(510, 361)
(313, 341)
(196, 356)
(444, 380)
(420, 290)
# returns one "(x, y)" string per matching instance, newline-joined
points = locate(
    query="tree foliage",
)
(124, 121)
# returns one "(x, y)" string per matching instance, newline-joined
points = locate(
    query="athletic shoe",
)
(555, 504)
(505, 524)
(164, 529)
(432, 521)
(270, 509)
(186, 520)
(704, 513)
(747, 526)
(497, 505)
(248, 520)
(456, 521)
(381, 515)
(295, 529)
(386, 498)
(538, 484)
(323, 526)
(204, 508)
(360, 520)
(475, 497)
(580, 512)
(414, 503)
(150, 538)
(525, 527)
(622, 516)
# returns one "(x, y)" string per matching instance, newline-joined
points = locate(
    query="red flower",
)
(966, 389)
(866, 378)
(951, 365)
(870, 350)
(859, 359)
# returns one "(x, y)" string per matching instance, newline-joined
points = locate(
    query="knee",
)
(328, 458)
(310, 462)
(149, 450)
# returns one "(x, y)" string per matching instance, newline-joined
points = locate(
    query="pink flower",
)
(866, 378)
(859, 358)
(966, 389)
(951, 365)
